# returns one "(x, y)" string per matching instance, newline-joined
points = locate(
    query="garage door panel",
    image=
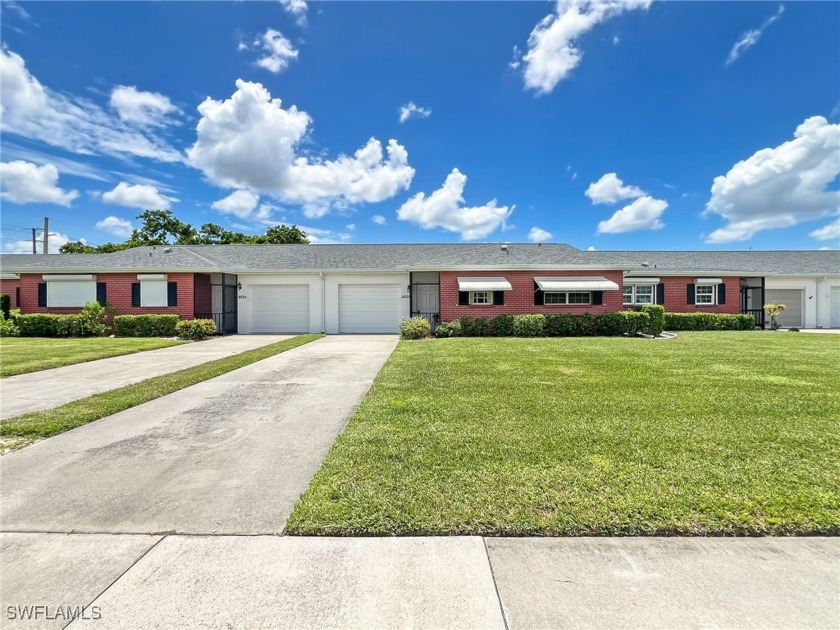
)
(281, 308)
(792, 299)
(369, 308)
(834, 320)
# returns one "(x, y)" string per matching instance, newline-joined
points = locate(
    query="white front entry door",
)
(427, 298)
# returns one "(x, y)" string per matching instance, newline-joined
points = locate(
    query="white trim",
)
(489, 301)
(483, 284)
(714, 294)
(566, 298)
(629, 280)
(9, 276)
(575, 284)
(69, 278)
(709, 281)
(151, 276)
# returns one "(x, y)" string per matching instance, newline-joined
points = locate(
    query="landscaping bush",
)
(448, 329)
(503, 325)
(415, 328)
(708, 321)
(5, 305)
(93, 320)
(529, 325)
(196, 329)
(621, 323)
(8, 328)
(569, 325)
(48, 325)
(656, 318)
(478, 327)
(146, 325)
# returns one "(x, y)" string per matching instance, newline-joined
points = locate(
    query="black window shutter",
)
(597, 297)
(689, 295)
(463, 298)
(499, 298)
(721, 294)
(101, 293)
(172, 294)
(660, 293)
(42, 294)
(17, 297)
(135, 294)
(539, 296)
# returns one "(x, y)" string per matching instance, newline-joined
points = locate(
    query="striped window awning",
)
(483, 284)
(578, 283)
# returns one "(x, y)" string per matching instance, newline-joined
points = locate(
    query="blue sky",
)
(596, 124)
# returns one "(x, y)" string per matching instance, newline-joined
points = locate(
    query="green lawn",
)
(710, 433)
(19, 355)
(22, 430)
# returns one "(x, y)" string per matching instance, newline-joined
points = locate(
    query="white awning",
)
(628, 280)
(9, 276)
(483, 284)
(709, 281)
(576, 283)
(67, 277)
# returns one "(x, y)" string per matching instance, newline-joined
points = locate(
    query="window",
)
(554, 298)
(481, 297)
(69, 291)
(153, 293)
(705, 294)
(638, 294)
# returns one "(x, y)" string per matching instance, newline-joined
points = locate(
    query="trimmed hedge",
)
(195, 329)
(503, 325)
(448, 329)
(656, 318)
(478, 327)
(708, 321)
(570, 325)
(90, 322)
(529, 325)
(146, 325)
(415, 328)
(621, 323)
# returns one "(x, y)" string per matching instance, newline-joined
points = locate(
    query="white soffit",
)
(484, 284)
(576, 283)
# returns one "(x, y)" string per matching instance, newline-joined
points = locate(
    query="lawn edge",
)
(172, 344)
(78, 412)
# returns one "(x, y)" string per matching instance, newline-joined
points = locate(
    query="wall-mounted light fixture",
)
(239, 286)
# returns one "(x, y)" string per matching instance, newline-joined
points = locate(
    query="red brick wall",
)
(521, 298)
(203, 294)
(118, 294)
(676, 296)
(8, 287)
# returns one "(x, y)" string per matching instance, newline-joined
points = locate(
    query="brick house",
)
(370, 288)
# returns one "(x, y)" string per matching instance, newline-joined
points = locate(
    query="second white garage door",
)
(834, 315)
(279, 308)
(792, 299)
(369, 308)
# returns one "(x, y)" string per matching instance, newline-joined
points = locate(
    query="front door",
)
(428, 299)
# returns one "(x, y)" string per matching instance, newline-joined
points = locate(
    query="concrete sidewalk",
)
(51, 388)
(137, 582)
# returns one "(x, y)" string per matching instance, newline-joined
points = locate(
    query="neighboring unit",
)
(371, 288)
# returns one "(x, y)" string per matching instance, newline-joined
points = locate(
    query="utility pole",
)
(34, 241)
(46, 235)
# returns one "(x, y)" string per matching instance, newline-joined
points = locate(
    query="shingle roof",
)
(242, 258)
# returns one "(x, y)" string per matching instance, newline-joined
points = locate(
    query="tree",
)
(285, 235)
(76, 247)
(159, 226)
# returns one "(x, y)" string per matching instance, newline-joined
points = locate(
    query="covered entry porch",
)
(216, 299)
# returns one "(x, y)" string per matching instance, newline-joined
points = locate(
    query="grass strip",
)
(49, 422)
(22, 355)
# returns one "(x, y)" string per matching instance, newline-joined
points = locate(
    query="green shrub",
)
(708, 321)
(146, 325)
(529, 325)
(8, 328)
(196, 328)
(621, 323)
(5, 305)
(478, 327)
(415, 328)
(503, 325)
(48, 325)
(93, 320)
(569, 325)
(450, 329)
(656, 318)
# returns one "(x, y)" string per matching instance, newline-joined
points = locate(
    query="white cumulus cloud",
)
(244, 204)
(278, 51)
(378, 219)
(24, 246)
(142, 108)
(751, 37)
(115, 225)
(142, 196)
(30, 110)
(443, 209)
(553, 46)
(538, 235)
(828, 232)
(643, 214)
(249, 141)
(297, 9)
(412, 110)
(610, 189)
(24, 182)
(781, 186)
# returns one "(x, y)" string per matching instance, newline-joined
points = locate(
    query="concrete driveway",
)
(230, 455)
(51, 388)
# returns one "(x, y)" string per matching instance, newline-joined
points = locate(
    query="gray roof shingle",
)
(243, 258)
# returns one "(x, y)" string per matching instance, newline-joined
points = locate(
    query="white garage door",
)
(835, 307)
(792, 299)
(279, 308)
(369, 308)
